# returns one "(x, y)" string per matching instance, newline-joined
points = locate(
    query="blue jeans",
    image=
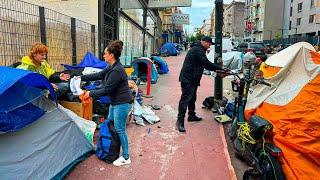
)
(118, 114)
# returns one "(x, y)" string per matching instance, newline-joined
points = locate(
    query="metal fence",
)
(22, 24)
(314, 40)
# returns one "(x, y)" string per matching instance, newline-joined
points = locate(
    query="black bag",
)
(100, 108)
(108, 147)
(208, 102)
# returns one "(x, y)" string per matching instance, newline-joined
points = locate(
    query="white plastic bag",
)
(75, 85)
(86, 126)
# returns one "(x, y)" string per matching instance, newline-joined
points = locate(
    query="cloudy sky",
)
(199, 11)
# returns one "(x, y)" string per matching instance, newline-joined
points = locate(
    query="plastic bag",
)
(87, 127)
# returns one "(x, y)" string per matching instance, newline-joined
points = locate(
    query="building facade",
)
(79, 9)
(303, 18)
(171, 32)
(233, 25)
(205, 29)
(212, 23)
(131, 21)
(266, 18)
(213, 18)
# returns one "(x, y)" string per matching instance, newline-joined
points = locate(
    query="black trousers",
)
(187, 100)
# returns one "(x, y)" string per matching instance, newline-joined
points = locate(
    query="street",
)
(159, 151)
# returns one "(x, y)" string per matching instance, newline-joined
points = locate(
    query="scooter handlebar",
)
(263, 82)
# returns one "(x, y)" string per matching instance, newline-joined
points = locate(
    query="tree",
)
(277, 35)
(197, 37)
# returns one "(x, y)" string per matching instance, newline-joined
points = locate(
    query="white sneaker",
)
(121, 161)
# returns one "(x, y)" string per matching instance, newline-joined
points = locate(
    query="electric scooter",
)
(249, 137)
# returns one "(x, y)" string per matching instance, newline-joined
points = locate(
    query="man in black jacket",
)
(190, 76)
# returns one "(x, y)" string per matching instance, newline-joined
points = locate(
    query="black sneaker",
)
(194, 118)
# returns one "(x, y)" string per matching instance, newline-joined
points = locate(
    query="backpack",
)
(108, 147)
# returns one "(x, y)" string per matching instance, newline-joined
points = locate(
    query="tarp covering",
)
(89, 60)
(161, 63)
(232, 60)
(292, 105)
(169, 48)
(141, 69)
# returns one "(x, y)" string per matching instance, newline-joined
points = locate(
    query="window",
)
(290, 11)
(312, 4)
(299, 7)
(290, 23)
(298, 21)
(311, 18)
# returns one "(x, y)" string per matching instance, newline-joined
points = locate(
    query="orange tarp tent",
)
(292, 105)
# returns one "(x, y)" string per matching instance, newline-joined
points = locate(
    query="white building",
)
(267, 17)
(85, 10)
(303, 18)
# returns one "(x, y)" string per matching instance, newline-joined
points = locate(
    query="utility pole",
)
(218, 47)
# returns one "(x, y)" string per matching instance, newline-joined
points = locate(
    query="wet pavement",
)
(159, 151)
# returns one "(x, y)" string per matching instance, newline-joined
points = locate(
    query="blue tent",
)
(140, 66)
(169, 48)
(38, 140)
(89, 60)
(18, 88)
(161, 64)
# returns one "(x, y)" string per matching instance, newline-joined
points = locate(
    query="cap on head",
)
(207, 39)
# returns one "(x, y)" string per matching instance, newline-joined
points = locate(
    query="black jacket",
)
(115, 84)
(194, 64)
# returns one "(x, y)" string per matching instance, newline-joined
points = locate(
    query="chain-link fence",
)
(19, 29)
(22, 24)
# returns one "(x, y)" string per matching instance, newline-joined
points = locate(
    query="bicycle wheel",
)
(270, 166)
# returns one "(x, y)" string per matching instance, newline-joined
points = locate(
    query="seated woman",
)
(35, 61)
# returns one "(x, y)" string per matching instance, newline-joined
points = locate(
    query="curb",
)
(226, 153)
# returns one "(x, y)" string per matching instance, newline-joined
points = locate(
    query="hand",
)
(86, 94)
(64, 77)
(223, 73)
(55, 87)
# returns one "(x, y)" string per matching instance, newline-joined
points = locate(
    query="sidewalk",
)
(161, 152)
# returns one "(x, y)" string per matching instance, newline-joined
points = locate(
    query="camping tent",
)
(38, 140)
(161, 64)
(140, 66)
(169, 48)
(292, 105)
(89, 60)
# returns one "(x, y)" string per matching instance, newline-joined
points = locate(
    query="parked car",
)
(257, 48)
(268, 49)
(281, 47)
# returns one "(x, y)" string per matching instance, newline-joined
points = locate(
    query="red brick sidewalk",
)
(164, 153)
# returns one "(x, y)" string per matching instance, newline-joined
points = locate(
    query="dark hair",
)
(115, 47)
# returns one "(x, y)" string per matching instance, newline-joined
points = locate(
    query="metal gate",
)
(108, 23)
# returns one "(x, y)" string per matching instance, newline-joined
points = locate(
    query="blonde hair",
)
(37, 48)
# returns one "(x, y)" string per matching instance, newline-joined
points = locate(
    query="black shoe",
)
(180, 126)
(194, 118)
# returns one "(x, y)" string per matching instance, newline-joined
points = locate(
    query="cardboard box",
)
(78, 108)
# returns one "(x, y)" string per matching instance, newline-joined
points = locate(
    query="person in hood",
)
(36, 62)
(194, 64)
